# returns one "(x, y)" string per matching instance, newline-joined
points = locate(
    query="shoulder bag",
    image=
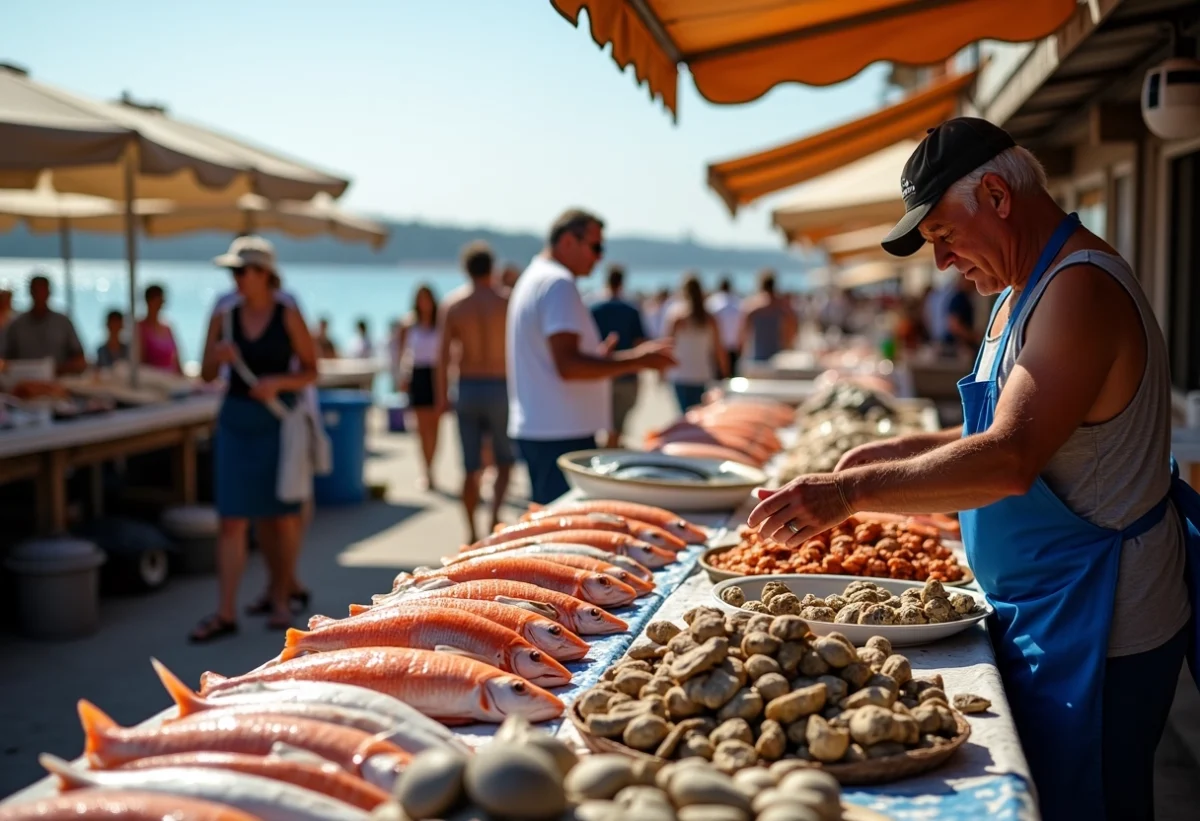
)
(304, 448)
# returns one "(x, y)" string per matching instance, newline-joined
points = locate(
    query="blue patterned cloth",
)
(995, 798)
(605, 651)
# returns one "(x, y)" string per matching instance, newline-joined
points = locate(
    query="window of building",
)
(1092, 211)
(1124, 211)
(1183, 259)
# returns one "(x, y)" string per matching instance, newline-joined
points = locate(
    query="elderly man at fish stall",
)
(1071, 511)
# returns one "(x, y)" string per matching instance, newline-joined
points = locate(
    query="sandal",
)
(262, 605)
(210, 628)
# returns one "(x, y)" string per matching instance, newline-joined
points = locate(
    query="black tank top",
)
(269, 354)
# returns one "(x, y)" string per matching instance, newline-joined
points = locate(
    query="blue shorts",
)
(246, 463)
(688, 396)
(546, 480)
(482, 407)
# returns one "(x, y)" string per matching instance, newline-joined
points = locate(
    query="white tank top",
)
(1113, 472)
(694, 353)
(423, 346)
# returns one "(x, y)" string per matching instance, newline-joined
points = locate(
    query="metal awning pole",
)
(135, 352)
(64, 243)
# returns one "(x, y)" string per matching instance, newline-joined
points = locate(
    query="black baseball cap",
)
(946, 155)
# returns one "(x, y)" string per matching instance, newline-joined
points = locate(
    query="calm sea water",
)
(342, 293)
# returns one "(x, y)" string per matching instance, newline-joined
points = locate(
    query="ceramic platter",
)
(672, 482)
(900, 635)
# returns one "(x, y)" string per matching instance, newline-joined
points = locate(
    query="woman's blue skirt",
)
(247, 461)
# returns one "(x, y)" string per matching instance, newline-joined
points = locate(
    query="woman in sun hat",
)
(271, 338)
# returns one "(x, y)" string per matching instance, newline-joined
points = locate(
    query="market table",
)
(987, 777)
(349, 372)
(47, 453)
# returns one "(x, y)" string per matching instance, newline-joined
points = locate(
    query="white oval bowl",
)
(679, 496)
(900, 635)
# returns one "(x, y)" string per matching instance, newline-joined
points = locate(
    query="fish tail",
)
(210, 680)
(96, 726)
(70, 778)
(357, 609)
(291, 644)
(185, 700)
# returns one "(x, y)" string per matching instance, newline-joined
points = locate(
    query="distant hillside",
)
(410, 242)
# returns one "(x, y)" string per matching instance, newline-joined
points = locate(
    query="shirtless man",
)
(473, 326)
(768, 323)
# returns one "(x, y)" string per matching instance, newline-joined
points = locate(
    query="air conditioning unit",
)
(1171, 99)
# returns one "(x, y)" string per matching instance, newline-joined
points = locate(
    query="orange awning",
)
(745, 179)
(861, 194)
(738, 50)
(865, 245)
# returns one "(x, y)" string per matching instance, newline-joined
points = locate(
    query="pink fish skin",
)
(432, 628)
(331, 781)
(446, 687)
(640, 585)
(108, 745)
(657, 516)
(127, 805)
(597, 588)
(572, 613)
(545, 634)
(621, 544)
(649, 533)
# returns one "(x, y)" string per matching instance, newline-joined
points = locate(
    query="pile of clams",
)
(862, 602)
(528, 775)
(751, 688)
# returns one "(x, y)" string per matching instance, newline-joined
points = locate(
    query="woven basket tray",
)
(873, 771)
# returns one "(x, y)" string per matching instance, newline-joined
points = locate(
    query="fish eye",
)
(518, 686)
(594, 612)
(556, 630)
(535, 655)
(604, 580)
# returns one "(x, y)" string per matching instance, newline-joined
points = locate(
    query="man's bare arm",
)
(449, 334)
(573, 364)
(899, 447)
(1057, 379)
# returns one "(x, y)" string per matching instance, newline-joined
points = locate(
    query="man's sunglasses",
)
(597, 248)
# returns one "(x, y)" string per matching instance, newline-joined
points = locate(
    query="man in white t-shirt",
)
(726, 309)
(558, 369)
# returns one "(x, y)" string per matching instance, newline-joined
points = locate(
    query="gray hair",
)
(1016, 166)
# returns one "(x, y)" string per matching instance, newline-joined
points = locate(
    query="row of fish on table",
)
(740, 430)
(322, 731)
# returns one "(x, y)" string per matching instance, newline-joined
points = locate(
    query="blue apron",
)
(1052, 578)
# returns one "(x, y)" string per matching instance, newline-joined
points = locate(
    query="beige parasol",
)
(44, 211)
(123, 151)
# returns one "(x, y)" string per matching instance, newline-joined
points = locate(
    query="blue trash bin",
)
(344, 413)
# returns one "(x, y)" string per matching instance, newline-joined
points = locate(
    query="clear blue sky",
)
(473, 112)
